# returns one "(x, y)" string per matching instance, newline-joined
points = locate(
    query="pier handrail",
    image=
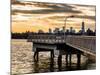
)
(83, 42)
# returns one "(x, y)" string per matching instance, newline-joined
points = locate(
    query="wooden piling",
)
(70, 56)
(78, 58)
(70, 59)
(66, 59)
(52, 61)
(59, 62)
(34, 57)
(37, 56)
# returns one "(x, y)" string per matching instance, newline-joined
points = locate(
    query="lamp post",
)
(65, 25)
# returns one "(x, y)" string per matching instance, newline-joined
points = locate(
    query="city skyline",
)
(33, 16)
(62, 30)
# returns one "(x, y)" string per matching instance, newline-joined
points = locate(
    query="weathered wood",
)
(78, 58)
(73, 44)
(86, 44)
(52, 61)
(70, 59)
(36, 56)
(59, 62)
(66, 59)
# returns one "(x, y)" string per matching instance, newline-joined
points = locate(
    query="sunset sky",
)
(33, 16)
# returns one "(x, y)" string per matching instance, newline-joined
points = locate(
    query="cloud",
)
(86, 17)
(75, 16)
(48, 8)
(50, 15)
(85, 5)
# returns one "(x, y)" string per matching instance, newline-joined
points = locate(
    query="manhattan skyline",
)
(33, 16)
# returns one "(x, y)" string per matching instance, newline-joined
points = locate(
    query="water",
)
(22, 60)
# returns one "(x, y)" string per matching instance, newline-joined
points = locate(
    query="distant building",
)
(67, 31)
(83, 28)
(63, 29)
(40, 31)
(71, 29)
(50, 30)
(56, 30)
(89, 32)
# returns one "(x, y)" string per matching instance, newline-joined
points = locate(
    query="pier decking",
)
(64, 45)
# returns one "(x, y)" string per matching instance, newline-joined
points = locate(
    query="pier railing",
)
(85, 43)
(82, 42)
(46, 38)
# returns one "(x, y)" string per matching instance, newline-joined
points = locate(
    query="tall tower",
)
(83, 28)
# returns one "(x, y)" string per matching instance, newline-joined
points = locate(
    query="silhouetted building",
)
(50, 30)
(40, 31)
(71, 29)
(89, 32)
(67, 31)
(83, 28)
(63, 29)
(56, 30)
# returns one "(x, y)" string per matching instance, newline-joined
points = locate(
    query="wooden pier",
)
(60, 45)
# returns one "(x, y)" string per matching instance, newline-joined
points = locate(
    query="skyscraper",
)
(83, 27)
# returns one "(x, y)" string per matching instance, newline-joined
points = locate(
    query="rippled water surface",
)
(22, 60)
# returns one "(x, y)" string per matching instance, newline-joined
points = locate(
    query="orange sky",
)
(30, 16)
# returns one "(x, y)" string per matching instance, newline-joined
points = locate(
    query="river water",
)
(22, 60)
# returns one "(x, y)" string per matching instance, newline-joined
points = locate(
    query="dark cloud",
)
(19, 21)
(45, 11)
(85, 5)
(86, 17)
(15, 2)
(53, 8)
(61, 18)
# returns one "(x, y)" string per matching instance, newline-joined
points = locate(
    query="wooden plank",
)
(83, 49)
